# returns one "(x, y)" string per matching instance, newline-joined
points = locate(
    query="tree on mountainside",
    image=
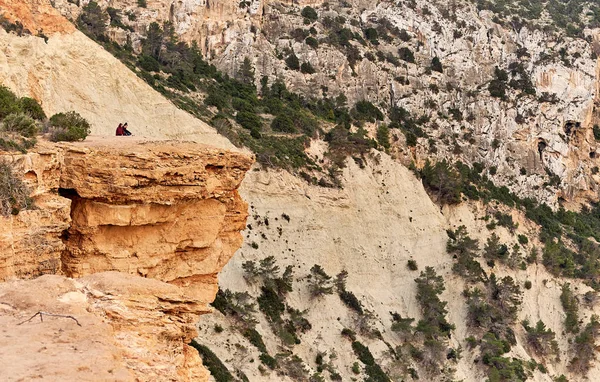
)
(246, 73)
(93, 21)
(152, 44)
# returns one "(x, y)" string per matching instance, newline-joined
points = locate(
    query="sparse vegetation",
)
(217, 369)
(68, 126)
(434, 325)
(571, 307)
(541, 339)
(464, 250)
(14, 194)
(585, 348)
(319, 283)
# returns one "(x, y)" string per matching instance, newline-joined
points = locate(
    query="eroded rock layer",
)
(143, 228)
(155, 211)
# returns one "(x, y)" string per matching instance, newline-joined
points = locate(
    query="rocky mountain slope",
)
(353, 266)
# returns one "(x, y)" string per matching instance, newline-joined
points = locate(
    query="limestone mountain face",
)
(143, 228)
(524, 136)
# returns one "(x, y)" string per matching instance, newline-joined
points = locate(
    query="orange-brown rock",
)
(30, 243)
(144, 228)
(132, 328)
(169, 211)
(36, 16)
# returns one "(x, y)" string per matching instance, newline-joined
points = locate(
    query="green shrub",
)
(217, 369)
(309, 13)
(571, 307)
(523, 240)
(527, 284)
(596, 130)
(269, 361)
(307, 68)
(443, 181)
(255, 339)
(68, 126)
(412, 265)
(436, 65)
(148, 63)
(383, 136)
(20, 123)
(32, 108)
(249, 120)
(541, 339)
(401, 324)
(312, 42)
(366, 111)
(319, 283)
(434, 324)
(585, 347)
(350, 300)
(292, 62)
(271, 304)
(8, 102)
(93, 20)
(14, 194)
(406, 54)
(464, 250)
(372, 369)
(283, 123)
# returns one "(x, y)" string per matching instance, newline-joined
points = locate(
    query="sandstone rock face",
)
(132, 328)
(144, 228)
(161, 210)
(30, 243)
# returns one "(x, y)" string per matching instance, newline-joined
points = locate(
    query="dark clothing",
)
(120, 130)
(126, 132)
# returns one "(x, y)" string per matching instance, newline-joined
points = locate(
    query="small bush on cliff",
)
(571, 307)
(541, 339)
(32, 108)
(585, 347)
(310, 13)
(14, 194)
(319, 282)
(8, 102)
(217, 369)
(434, 325)
(20, 123)
(68, 126)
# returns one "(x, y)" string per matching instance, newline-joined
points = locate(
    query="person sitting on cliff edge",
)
(125, 131)
(120, 130)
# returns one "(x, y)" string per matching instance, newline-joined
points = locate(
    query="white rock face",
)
(71, 72)
(371, 228)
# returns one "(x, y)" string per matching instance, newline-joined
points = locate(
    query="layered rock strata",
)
(143, 228)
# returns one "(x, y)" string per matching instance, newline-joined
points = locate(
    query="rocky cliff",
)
(138, 231)
(370, 277)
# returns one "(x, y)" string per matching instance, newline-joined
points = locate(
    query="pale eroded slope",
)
(71, 72)
(371, 228)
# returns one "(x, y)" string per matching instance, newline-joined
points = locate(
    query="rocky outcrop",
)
(143, 228)
(30, 242)
(160, 210)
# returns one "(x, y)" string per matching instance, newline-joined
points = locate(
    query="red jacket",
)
(119, 130)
